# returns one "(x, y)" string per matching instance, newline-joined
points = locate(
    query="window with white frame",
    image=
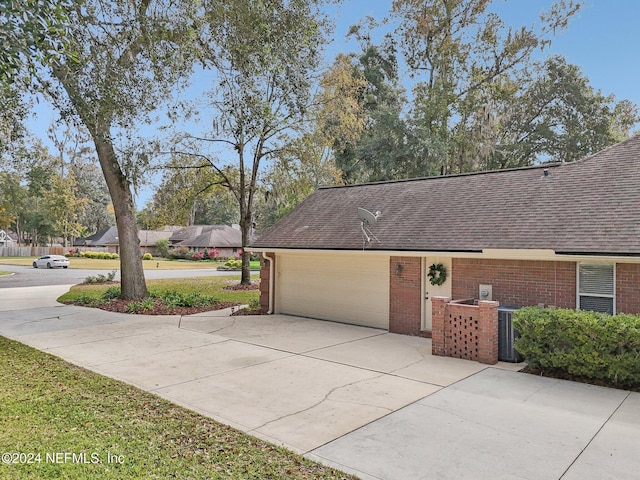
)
(596, 287)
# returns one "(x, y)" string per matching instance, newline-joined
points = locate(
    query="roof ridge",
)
(453, 175)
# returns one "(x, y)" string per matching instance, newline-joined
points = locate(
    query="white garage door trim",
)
(348, 288)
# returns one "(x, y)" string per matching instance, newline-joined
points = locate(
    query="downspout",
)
(271, 285)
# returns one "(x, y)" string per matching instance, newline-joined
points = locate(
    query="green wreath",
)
(437, 274)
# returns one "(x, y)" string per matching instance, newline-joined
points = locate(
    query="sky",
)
(603, 39)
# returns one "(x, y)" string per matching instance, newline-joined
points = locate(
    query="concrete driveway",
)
(367, 401)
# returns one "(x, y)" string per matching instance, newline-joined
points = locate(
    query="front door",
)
(431, 290)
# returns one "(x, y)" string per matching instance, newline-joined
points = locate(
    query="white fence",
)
(39, 251)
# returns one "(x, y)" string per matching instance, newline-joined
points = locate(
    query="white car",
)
(51, 261)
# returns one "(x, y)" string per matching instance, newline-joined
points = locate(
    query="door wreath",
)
(437, 274)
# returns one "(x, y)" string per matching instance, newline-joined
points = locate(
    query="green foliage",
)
(141, 306)
(101, 278)
(254, 304)
(100, 255)
(587, 344)
(147, 256)
(233, 263)
(86, 299)
(174, 298)
(162, 246)
(111, 293)
(179, 253)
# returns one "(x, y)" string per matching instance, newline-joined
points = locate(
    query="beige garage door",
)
(344, 288)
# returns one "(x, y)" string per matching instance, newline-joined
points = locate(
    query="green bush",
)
(111, 293)
(162, 246)
(147, 256)
(592, 345)
(172, 298)
(178, 253)
(233, 263)
(141, 306)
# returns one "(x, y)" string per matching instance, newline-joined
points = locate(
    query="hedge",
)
(591, 345)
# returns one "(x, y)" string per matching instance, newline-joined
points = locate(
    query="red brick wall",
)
(628, 288)
(465, 331)
(264, 282)
(405, 296)
(516, 282)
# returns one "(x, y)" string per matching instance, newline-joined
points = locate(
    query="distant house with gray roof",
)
(227, 240)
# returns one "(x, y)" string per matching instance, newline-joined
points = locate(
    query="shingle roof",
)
(591, 206)
(213, 236)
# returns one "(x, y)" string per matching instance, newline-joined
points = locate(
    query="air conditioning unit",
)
(507, 336)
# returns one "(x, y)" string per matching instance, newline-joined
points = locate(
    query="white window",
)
(596, 287)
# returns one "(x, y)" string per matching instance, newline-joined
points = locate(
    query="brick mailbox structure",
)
(462, 329)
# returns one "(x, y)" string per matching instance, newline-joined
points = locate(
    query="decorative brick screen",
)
(465, 331)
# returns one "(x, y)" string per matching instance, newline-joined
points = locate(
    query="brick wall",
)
(516, 282)
(264, 282)
(628, 288)
(465, 331)
(405, 296)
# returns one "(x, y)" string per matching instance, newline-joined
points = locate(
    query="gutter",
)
(271, 274)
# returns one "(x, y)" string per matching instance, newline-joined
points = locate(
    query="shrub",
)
(197, 256)
(233, 263)
(147, 256)
(592, 345)
(141, 306)
(162, 246)
(111, 293)
(213, 253)
(178, 253)
(172, 298)
(100, 278)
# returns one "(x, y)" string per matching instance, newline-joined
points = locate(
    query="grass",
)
(97, 264)
(4, 272)
(213, 286)
(50, 408)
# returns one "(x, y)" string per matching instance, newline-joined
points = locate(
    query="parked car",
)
(51, 261)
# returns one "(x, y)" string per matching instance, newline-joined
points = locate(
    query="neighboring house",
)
(7, 239)
(227, 240)
(564, 235)
(108, 239)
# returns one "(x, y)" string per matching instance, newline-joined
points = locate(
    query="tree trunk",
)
(246, 256)
(133, 285)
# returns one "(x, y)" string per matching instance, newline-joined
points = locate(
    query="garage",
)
(349, 288)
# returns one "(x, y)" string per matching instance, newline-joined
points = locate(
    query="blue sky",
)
(603, 39)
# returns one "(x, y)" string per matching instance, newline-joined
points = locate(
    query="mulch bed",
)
(247, 311)
(238, 286)
(159, 307)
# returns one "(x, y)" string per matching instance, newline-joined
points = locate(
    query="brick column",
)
(438, 313)
(488, 332)
(264, 281)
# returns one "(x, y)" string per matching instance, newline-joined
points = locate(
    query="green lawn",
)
(74, 424)
(206, 285)
(155, 264)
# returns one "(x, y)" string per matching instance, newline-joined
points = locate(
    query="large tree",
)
(128, 54)
(264, 54)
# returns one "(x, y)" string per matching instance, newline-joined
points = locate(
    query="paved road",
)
(34, 277)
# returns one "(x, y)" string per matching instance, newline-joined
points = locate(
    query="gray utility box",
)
(507, 336)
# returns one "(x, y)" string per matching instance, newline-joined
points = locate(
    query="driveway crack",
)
(324, 399)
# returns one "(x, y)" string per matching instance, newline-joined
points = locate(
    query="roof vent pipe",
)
(546, 172)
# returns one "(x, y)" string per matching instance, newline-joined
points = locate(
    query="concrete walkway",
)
(369, 402)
